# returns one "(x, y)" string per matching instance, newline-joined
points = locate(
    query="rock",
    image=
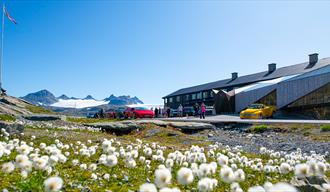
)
(210, 135)
(12, 127)
(191, 125)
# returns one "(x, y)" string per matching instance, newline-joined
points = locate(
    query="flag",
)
(8, 16)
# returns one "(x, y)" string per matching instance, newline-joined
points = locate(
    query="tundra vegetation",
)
(48, 159)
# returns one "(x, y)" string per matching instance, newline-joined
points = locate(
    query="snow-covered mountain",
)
(78, 103)
(46, 98)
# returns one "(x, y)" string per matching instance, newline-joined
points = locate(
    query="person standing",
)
(156, 112)
(180, 110)
(202, 114)
(168, 111)
(196, 108)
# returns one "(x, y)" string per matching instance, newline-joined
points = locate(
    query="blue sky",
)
(151, 48)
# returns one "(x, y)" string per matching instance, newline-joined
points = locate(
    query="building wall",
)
(291, 90)
(244, 99)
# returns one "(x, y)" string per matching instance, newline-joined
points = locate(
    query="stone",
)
(12, 127)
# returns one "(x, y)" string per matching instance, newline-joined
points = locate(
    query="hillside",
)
(15, 106)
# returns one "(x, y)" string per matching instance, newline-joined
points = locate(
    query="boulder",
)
(12, 127)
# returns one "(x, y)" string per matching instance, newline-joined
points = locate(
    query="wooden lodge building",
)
(303, 87)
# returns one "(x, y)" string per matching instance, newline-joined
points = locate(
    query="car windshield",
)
(141, 108)
(255, 106)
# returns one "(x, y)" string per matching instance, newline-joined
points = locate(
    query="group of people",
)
(199, 110)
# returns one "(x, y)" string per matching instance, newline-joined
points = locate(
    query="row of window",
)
(189, 97)
(320, 96)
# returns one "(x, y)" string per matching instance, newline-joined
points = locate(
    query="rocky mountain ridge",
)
(46, 98)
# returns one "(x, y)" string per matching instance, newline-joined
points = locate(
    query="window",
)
(269, 99)
(178, 98)
(211, 94)
(318, 97)
(193, 96)
(171, 99)
(205, 94)
(165, 100)
(187, 97)
(199, 95)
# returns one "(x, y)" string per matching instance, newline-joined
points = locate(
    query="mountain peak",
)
(42, 97)
(64, 97)
(89, 97)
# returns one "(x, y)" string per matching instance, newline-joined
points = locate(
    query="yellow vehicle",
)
(257, 111)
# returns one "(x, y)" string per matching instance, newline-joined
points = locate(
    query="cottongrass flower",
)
(326, 187)
(148, 187)
(185, 176)
(227, 174)
(302, 171)
(206, 184)
(163, 177)
(93, 176)
(169, 190)
(239, 175)
(268, 185)
(282, 187)
(8, 167)
(111, 161)
(285, 168)
(53, 184)
(256, 189)
(106, 176)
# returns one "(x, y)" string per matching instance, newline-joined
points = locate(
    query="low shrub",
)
(38, 110)
(258, 128)
(6, 117)
(325, 127)
(88, 120)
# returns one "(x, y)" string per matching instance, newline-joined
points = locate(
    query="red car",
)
(138, 112)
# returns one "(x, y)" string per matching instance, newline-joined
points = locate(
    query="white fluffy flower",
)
(256, 189)
(53, 184)
(282, 187)
(111, 160)
(148, 187)
(227, 174)
(8, 167)
(285, 168)
(162, 177)
(185, 176)
(301, 170)
(206, 184)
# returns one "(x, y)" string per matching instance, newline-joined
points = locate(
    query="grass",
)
(88, 120)
(258, 128)
(74, 176)
(38, 110)
(6, 117)
(325, 128)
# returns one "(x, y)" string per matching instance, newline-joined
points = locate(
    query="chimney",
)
(234, 76)
(313, 58)
(271, 67)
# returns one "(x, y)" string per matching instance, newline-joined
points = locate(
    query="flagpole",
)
(2, 34)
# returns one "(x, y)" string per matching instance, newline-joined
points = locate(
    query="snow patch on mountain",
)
(78, 103)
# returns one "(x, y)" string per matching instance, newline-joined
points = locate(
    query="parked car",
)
(257, 111)
(138, 112)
